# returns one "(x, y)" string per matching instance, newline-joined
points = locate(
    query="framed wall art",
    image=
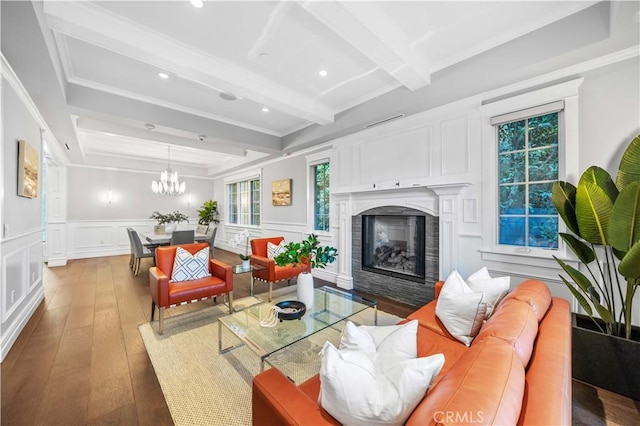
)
(28, 164)
(281, 192)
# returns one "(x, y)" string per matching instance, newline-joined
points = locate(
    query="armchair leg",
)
(230, 296)
(160, 320)
(270, 290)
(153, 309)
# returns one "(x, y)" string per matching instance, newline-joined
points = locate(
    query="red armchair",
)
(165, 294)
(271, 273)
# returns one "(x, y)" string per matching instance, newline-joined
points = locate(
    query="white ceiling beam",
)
(120, 130)
(97, 26)
(366, 26)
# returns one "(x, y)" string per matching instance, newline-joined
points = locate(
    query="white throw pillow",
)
(395, 339)
(460, 309)
(187, 267)
(274, 250)
(494, 289)
(363, 388)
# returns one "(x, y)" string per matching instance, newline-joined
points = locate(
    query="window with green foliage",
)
(321, 197)
(528, 167)
(244, 202)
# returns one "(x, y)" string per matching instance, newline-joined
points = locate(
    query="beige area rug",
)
(202, 387)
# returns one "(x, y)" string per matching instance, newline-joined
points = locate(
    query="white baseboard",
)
(16, 327)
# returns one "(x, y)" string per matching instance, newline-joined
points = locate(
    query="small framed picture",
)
(28, 164)
(281, 192)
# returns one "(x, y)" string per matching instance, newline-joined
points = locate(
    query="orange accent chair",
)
(271, 273)
(165, 294)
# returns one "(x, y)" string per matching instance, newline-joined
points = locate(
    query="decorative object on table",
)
(169, 220)
(208, 213)
(281, 192)
(604, 218)
(284, 311)
(309, 254)
(169, 184)
(28, 163)
(238, 239)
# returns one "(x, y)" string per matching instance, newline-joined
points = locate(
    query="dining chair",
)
(212, 239)
(132, 257)
(139, 251)
(182, 237)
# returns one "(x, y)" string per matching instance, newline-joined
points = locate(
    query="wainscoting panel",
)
(455, 145)
(35, 261)
(14, 282)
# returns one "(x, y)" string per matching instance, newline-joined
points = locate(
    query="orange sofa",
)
(517, 371)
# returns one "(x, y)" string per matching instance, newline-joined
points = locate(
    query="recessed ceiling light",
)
(322, 73)
(196, 3)
(150, 127)
(228, 96)
(201, 138)
(265, 109)
(163, 75)
(264, 56)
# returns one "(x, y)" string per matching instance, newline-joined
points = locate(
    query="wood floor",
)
(80, 359)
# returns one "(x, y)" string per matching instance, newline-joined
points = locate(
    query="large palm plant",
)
(604, 218)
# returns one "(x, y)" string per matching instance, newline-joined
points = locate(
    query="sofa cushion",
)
(460, 309)
(535, 293)
(395, 339)
(187, 266)
(195, 289)
(515, 322)
(494, 289)
(363, 388)
(485, 386)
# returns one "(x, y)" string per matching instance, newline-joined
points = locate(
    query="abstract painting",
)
(28, 164)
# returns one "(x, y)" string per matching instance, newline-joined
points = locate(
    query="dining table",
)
(164, 239)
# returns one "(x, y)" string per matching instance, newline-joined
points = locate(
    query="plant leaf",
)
(593, 210)
(601, 178)
(581, 250)
(628, 170)
(578, 277)
(563, 196)
(604, 313)
(629, 266)
(624, 227)
(579, 297)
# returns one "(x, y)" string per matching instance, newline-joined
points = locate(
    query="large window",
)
(321, 197)
(244, 202)
(527, 169)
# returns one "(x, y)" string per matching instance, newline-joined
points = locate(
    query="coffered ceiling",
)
(241, 76)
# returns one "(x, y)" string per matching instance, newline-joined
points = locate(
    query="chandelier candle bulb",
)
(169, 183)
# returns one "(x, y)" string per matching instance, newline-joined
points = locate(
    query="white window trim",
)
(313, 160)
(567, 159)
(246, 175)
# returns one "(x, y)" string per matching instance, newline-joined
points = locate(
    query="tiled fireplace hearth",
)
(416, 243)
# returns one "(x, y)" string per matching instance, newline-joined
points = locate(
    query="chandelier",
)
(168, 183)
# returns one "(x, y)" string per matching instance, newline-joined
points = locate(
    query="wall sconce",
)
(109, 196)
(189, 199)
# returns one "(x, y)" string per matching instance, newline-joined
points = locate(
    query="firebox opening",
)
(394, 246)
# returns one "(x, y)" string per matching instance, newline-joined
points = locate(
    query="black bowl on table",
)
(299, 309)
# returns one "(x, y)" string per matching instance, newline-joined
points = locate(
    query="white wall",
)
(96, 227)
(21, 288)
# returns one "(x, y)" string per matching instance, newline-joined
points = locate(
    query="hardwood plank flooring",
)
(80, 358)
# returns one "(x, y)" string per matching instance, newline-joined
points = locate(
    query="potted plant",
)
(310, 254)
(170, 220)
(238, 239)
(604, 220)
(208, 213)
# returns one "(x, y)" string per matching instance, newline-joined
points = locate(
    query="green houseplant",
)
(175, 217)
(208, 213)
(310, 254)
(604, 220)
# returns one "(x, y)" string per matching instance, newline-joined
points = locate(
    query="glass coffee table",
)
(330, 306)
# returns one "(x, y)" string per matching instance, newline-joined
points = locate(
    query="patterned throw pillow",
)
(187, 267)
(274, 249)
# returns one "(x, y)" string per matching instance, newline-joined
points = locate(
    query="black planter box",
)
(609, 362)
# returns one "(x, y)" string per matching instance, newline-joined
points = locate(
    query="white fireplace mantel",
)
(442, 200)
